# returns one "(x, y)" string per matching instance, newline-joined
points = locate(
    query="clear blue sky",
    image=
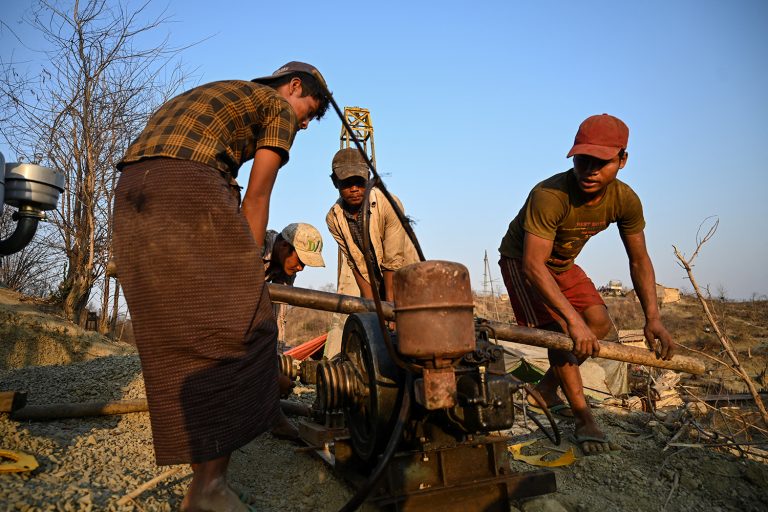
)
(473, 103)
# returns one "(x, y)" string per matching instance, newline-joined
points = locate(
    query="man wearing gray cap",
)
(391, 249)
(188, 255)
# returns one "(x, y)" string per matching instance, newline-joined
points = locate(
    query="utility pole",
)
(488, 284)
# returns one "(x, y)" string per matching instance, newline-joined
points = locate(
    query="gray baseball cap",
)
(348, 162)
(291, 67)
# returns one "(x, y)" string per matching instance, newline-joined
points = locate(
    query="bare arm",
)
(536, 251)
(644, 281)
(389, 284)
(365, 287)
(255, 207)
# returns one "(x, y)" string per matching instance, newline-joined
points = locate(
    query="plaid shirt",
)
(355, 222)
(220, 124)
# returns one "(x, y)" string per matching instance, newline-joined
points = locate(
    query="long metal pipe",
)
(326, 301)
(348, 304)
(49, 412)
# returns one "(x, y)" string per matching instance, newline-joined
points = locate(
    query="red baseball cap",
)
(601, 136)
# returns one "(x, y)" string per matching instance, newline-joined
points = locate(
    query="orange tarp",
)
(306, 349)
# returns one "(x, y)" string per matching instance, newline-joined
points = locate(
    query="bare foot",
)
(284, 429)
(218, 498)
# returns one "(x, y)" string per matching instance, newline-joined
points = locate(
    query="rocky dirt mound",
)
(31, 334)
(90, 463)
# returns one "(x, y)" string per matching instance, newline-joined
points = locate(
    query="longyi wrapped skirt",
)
(194, 284)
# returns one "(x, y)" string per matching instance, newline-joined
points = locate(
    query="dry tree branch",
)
(725, 342)
(713, 358)
(104, 66)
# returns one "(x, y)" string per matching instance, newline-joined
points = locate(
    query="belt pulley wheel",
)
(371, 418)
(337, 385)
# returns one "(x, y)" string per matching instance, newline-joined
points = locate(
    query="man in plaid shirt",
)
(187, 252)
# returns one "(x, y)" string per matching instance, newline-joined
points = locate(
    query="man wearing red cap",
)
(549, 291)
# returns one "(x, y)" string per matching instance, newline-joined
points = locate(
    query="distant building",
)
(614, 288)
(667, 295)
(663, 294)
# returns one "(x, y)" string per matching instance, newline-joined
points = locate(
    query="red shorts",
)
(529, 306)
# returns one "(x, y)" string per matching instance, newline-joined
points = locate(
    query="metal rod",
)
(348, 304)
(326, 301)
(608, 349)
(48, 412)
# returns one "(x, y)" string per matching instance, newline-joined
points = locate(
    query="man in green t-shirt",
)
(549, 291)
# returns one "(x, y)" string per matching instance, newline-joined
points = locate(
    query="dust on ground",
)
(90, 463)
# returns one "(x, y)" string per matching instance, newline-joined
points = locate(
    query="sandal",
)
(608, 446)
(560, 410)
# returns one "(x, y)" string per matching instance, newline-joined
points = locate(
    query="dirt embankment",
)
(90, 463)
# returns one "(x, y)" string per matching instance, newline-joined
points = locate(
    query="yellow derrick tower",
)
(359, 120)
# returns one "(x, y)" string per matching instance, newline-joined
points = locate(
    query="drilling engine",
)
(422, 403)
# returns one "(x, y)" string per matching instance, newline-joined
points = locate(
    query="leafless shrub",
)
(32, 270)
(732, 363)
(304, 324)
(78, 112)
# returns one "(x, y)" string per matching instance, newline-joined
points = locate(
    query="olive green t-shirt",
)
(554, 211)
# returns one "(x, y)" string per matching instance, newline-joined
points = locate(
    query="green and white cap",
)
(307, 241)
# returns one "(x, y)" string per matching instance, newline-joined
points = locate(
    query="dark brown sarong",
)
(202, 318)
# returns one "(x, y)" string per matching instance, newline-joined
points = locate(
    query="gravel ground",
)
(88, 464)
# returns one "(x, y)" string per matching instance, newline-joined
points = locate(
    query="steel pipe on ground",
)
(348, 304)
(48, 412)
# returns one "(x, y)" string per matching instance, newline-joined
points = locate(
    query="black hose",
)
(405, 410)
(21, 236)
(556, 437)
(376, 178)
(375, 181)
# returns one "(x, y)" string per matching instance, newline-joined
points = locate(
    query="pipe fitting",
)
(27, 220)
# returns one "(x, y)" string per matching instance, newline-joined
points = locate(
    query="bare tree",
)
(725, 342)
(79, 112)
